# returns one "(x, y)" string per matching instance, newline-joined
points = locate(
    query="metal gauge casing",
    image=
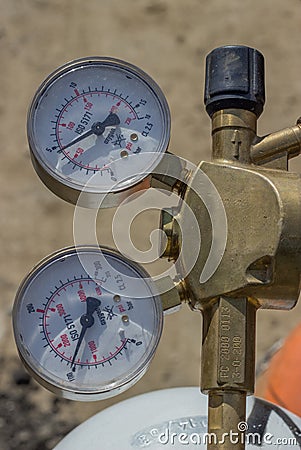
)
(97, 127)
(78, 327)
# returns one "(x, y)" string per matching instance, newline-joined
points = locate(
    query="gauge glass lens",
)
(99, 125)
(85, 334)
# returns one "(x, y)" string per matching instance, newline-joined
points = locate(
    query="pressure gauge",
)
(97, 126)
(78, 327)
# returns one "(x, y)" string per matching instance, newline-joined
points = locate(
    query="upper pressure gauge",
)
(97, 126)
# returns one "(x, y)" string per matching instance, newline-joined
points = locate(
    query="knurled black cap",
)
(234, 79)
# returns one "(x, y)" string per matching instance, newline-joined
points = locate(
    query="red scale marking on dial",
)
(52, 300)
(70, 104)
(113, 354)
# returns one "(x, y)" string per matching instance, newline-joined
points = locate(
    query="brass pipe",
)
(228, 367)
(226, 420)
(228, 345)
(286, 141)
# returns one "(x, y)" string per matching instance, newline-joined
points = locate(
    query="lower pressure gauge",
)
(78, 328)
(97, 126)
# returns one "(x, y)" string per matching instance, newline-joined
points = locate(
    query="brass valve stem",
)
(228, 351)
(228, 367)
(226, 411)
(233, 132)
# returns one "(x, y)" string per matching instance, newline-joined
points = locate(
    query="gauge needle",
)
(86, 321)
(97, 128)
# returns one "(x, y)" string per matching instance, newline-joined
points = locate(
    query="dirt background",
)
(168, 39)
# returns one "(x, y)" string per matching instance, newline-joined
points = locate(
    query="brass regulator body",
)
(262, 204)
(259, 261)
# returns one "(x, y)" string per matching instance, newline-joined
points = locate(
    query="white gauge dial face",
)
(84, 334)
(99, 121)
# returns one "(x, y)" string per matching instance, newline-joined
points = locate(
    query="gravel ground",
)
(26, 422)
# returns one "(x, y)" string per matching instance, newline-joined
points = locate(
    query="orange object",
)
(281, 382)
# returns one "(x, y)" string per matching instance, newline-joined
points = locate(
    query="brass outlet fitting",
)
(169, 248)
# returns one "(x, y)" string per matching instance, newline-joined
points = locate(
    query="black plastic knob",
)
(234, 79)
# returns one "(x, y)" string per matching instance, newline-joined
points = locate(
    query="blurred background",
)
(168, 39)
